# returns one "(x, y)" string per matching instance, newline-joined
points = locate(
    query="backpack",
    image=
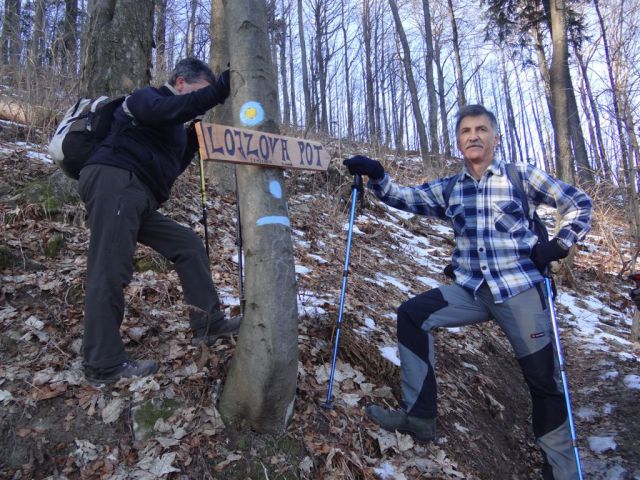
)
(535, 222)
(80, 132)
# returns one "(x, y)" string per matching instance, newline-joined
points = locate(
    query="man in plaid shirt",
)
(497, 265)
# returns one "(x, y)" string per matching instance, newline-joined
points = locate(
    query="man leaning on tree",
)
(122, 186)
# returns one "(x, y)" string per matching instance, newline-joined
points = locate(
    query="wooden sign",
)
(238, 145)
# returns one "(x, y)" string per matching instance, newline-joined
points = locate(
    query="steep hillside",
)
(54, 424)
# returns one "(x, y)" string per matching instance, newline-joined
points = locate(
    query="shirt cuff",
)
(564, 243)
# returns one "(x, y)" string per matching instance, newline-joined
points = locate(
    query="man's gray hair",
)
(192, 70)
(475, 111)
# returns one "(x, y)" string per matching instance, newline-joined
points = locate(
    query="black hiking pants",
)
(526, 322)
(122, 212)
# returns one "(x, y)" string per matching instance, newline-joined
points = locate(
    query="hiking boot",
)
(210, 335)
(128, 369)
(422, 429)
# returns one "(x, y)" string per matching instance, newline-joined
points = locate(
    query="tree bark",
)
(446, 140)
(413, 90)
(118, 30)
(10, 42)
(160, 35)
(220, 175)
(432, 100)
(624, 152)
(559, 98)
(462, 100)
(310, 123)
(347, 73)
(37, 44)
(260, 388)
(70, 36)
(282, 44)
(599, 151)
(370, 101)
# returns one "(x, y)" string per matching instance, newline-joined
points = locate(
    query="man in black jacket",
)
(122, 185)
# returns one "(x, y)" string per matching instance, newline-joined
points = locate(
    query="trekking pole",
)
(203, 220)
(239, 244)
(357, 186)
(565, 385)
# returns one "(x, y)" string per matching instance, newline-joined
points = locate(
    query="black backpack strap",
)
(516, 181)
(446, 193)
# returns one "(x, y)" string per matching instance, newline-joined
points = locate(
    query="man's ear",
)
(179, 84)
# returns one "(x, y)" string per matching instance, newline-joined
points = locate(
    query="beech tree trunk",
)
(118, 48)
(559, 98)
(220, 175)
(260, 388)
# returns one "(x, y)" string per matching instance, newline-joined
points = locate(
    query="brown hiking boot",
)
(130, 368)
(210, 335)
(422, 429)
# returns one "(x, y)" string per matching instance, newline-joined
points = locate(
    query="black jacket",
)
(154, 147)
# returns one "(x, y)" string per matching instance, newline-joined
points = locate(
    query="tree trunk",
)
(11, 43)
(581, 155)
(432, 100)
(347, 73)
(559, 97)
(37, 44)
(601, 154)
(282, 37)
(456, 51)
(310, 123)
(220, 175)
(260, 388)
(294, 106)
(616, 102)
(321, 35)
(118, 30)
(370, 97)
(413, 90)
(161, 33)
(446, 140)
(514, 138)
(191, 29)
(69, 56)
(634, 161)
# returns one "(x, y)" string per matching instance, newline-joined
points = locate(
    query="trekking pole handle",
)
(358, 184)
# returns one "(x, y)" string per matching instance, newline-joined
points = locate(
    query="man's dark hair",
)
(475, 111)
(192, 70)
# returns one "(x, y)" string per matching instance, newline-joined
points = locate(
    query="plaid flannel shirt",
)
(494, 241)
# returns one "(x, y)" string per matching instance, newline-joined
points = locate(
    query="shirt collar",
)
(497, 167)
(171, 89)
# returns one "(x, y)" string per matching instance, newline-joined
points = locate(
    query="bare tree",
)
(413, 89)
(309, 114)
(260, 388)
(462, 100)
(10, 42)
(431, 86)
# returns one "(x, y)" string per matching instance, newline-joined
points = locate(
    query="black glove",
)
(544, 253)
(192, 137)
(361, 165)
(223, 86)
(635, 296)
(448, 272)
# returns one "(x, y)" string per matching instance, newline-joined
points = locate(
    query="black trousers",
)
(122, 212)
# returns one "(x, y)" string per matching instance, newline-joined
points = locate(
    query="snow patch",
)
(391, 354)
(602, 444)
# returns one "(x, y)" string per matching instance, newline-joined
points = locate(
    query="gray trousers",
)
(526, 322)
(122, 212)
